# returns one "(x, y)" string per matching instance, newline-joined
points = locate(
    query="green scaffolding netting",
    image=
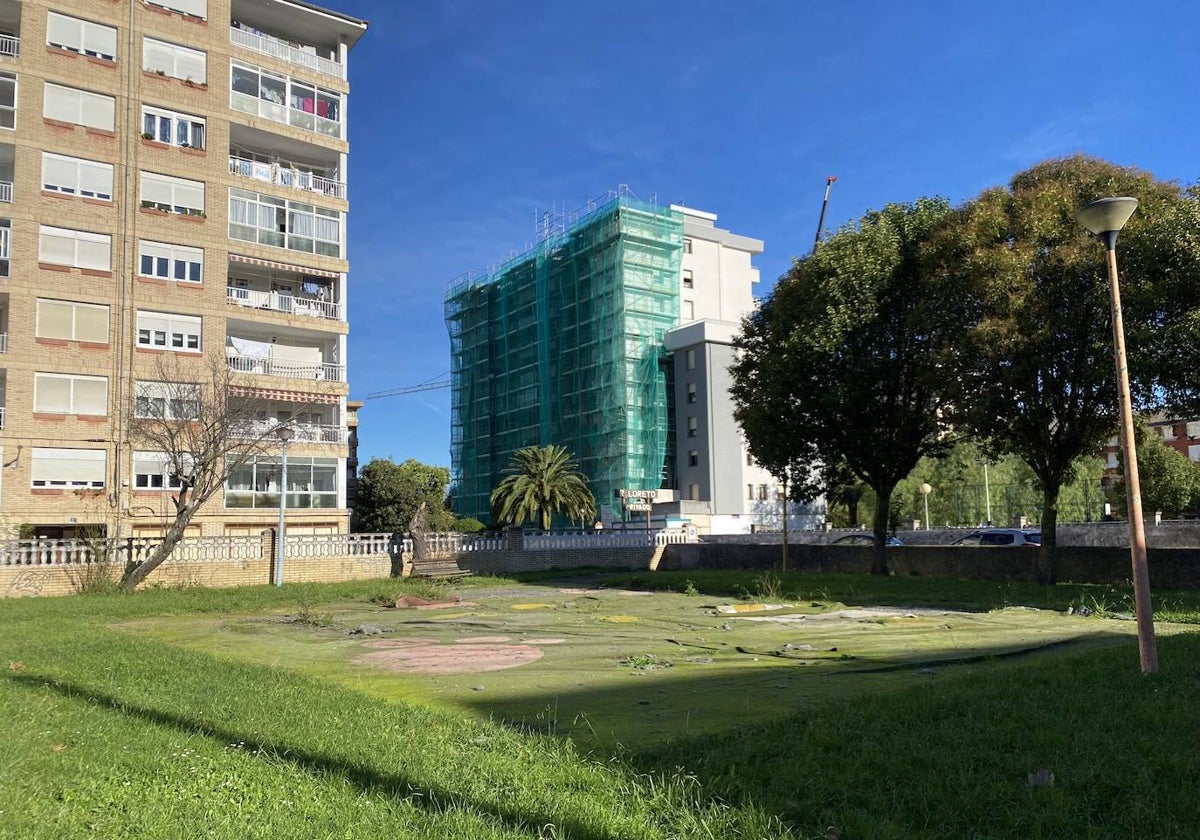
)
(564, 345)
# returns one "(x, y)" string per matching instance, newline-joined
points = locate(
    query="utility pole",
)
(824, 205)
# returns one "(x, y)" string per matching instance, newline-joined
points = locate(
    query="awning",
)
(282, 266)
(284, 396)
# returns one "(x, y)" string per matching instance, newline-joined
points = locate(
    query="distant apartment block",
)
(613, 338)
(172, 186)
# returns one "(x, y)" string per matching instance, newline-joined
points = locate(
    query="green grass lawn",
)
(242, 713)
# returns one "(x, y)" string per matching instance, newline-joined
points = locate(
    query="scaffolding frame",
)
(564, 344)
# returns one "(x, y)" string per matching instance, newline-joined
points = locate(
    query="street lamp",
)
(1105, 217)
(285, 434)
(925, 491)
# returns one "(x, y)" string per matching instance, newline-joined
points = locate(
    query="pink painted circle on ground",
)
(450, 659)
(544, 641)
(482, 640)
(632, 592)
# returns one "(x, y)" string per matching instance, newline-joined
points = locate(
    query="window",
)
(693, 458)
(689, 311)
(55, 393)
(694, 492)
(690, 359)
(692, 427)
(72, 321)
(750, 492)
(80, 107)
(1168, 431)
(170, 127)
(1193, 430)
(195, 8)
(5, 239)
(267, 220)
(77, 248)
(8, 100)
(282, 99)
(691, 392)
(1112, 463)
(81, 36)
(173, 60)
(153, 471)
(61, 468)
(311, 483)
(76, 176)
(687, 245)
(762, 492)
(167, 400)
(175, 195)
(163, 331)
(170, 262)
(1193, 453)
(749, 460)
(688, 282)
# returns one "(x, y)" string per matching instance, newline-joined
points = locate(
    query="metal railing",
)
(260, 366)
(286, 176)
(301, 432)
(286, 52)
(10, 45)
(290, 304)
(6, 191)
(3, 342)
(565, 540)
(1, 417)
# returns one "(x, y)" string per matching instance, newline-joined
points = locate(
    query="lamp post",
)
(987, 493)
(1105, 218)
(925, 491)
(285, 434)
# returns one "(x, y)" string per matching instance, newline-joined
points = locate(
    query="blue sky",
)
(469, 118)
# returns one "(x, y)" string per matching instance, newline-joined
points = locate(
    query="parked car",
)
(864, 539)
(1006, 537)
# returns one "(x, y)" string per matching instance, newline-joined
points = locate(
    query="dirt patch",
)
(482, 640)
(544, 641)
(422, 657)
(413, 602)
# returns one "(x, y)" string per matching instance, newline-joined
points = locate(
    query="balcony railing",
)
(10, 45)
(3, 342)
(291, 304)
(248, 104)
(301, 432)
(260, 366)
(6, 189)
(285, 176)
(278, 49)
(1, 417)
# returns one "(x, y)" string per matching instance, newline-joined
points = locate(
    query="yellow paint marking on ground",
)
(621, 619)
(730, 609)
(533, 606)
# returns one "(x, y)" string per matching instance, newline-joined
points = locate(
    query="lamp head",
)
(1105, 215)
(925, 489)
(284, 433)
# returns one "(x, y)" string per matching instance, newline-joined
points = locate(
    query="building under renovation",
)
(611, 337)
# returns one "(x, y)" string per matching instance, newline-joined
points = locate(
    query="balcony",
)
(1, 417)
(284, 176)
(301, 432)
(3, 342)
(260, 366)
(10, 45)
(289, 304)
(303, 56)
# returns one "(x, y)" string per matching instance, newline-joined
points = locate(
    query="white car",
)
(1007, 537)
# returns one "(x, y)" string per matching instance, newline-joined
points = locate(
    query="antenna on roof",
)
(824, 204)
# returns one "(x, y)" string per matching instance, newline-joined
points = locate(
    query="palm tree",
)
(540, 482)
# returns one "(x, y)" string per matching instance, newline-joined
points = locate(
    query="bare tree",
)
(205, 431)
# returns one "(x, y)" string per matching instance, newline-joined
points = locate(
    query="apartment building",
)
(613, 338)
(172, 196)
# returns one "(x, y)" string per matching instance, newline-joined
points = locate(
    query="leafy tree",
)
(1037, 379)
(852, 347)
(389, 495)
(468, 525)
(540, 482)
(1169, 480)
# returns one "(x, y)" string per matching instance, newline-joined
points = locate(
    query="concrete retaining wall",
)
(1170, 568)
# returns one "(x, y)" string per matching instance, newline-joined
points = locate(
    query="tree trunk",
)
(785, 523)
(1045, 558)
(135, 572)
(883, 501)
